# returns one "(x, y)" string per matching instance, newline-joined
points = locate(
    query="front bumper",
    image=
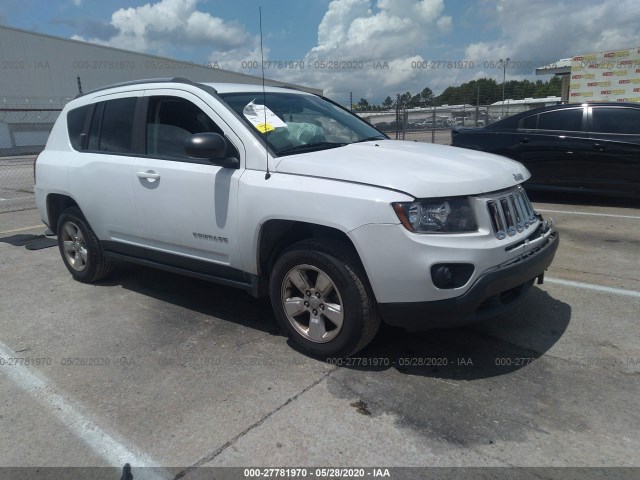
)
(494, 292)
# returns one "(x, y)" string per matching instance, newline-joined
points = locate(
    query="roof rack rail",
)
(290, 87)
(139, 82)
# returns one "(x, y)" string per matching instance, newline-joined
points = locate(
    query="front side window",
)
(117, 125)
(615, 120)
(568, 120)
(170, 121)
(297, 123)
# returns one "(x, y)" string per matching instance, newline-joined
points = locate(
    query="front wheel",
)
(321, 298)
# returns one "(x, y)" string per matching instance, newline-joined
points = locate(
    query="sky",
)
(370, 48)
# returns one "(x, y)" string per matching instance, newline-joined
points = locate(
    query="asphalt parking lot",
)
(155, 369)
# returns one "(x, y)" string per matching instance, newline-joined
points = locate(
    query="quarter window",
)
(75, 126)
(569, 120)
(615, 120)
(94, 128)
(529, 123)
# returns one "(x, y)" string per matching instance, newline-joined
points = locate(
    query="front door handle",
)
(525, 140)
(149, 174)
(598, 146)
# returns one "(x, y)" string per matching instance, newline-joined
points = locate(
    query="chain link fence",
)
(24, 128)
(434, 124)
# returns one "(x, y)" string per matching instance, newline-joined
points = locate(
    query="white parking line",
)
(590, 286)
(589, 213)
(114, 452)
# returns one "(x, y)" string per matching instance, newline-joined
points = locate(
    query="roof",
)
(562, 66)
(570, 106)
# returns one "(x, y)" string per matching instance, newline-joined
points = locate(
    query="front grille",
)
(510, 212)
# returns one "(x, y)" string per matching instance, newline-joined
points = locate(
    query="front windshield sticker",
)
(262, 118)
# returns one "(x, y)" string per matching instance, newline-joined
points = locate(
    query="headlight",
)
(439, 215)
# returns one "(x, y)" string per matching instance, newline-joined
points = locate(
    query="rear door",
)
(101, 180)
(554, 146)
(614, 137)
(187, 208)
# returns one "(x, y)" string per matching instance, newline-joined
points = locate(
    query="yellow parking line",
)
(21, 229)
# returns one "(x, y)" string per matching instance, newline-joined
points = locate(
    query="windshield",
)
(298, 123)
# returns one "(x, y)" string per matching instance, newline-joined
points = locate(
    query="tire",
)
(322, 299)
(80, 248)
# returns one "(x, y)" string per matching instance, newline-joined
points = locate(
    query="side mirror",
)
(209, 146)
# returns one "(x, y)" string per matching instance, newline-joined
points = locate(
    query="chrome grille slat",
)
(508, 216)
(510, 212)
(523, 209)
(497, 220)
(518, 213)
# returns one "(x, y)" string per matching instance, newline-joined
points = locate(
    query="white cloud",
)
(537, 34)
(395, 29)
(362, 34)
(334, 27)
(404, 31)
(157, 27)
(444, 24)
(239, 59)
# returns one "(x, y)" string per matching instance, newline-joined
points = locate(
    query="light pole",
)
(504, 77)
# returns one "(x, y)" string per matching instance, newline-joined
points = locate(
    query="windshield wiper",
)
(369, 139)
(310, 148)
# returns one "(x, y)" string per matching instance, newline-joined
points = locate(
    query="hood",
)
(419, 169)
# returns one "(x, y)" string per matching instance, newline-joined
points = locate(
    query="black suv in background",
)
(591, 148)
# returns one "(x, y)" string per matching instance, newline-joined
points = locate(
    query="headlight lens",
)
(440, 215)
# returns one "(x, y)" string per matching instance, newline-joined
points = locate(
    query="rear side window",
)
(75, 125)
(116, 126)
(569, 120)
(615, 120)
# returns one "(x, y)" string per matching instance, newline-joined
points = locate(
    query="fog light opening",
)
(451, 275)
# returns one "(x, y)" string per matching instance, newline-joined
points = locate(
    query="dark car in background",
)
(591, 148)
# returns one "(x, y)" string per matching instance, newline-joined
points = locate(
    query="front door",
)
(187, 208)
(554, 147)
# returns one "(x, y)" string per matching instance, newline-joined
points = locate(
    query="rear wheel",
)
(322, 300)
(80, 248)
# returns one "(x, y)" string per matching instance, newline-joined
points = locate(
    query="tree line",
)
(490, 92)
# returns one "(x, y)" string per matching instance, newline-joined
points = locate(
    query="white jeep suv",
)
(285, 193)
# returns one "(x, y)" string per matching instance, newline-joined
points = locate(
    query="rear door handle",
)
(598, 146)
(149, 174)
(525, 140)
